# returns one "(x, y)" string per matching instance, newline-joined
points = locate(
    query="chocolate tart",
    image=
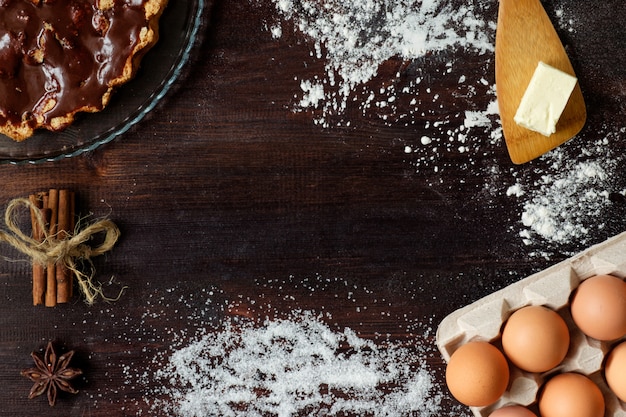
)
(62, 57)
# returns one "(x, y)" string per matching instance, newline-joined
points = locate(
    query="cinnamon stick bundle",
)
(52, 283)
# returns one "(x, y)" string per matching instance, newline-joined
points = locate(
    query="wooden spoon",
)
(525, 36)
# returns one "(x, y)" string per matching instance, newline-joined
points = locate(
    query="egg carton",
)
(552, 287)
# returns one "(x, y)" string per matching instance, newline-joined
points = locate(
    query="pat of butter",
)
(545, 99)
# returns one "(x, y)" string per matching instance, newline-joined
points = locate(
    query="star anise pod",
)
(51, 373)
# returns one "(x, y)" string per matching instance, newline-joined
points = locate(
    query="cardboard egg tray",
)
(552, 287)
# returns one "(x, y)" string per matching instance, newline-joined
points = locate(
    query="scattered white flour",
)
(565, 19)
(287, 367)
(569, 199)
(356, 37)
(563, 200)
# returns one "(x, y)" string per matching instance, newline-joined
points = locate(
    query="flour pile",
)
(288, 367)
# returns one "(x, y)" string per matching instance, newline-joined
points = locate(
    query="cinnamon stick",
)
(39, 271)
(51, 278)
(72, 228)
(64, 224)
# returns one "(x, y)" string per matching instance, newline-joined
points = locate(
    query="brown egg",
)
(571, 395)
(477, 374)
(615, 371)
(535, 338)
(599, 307)
(513, 411)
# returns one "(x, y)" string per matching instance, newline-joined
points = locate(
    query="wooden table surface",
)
(226, 194)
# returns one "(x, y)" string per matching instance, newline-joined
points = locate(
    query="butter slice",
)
(545, 99)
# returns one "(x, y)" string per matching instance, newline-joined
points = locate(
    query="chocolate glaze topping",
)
(57, 56)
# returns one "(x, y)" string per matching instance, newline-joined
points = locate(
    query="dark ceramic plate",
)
(179, 29)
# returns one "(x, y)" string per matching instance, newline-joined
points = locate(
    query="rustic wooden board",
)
(224, 193)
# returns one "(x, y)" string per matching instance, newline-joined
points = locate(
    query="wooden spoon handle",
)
(529, 29)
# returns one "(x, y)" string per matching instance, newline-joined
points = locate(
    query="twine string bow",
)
(69, 251)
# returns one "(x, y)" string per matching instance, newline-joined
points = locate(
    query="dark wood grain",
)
(225, 193)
